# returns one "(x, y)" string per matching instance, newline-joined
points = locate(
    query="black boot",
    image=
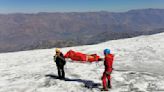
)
(109, 84)
(104, 89)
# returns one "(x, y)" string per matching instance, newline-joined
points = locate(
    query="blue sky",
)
(33, 6)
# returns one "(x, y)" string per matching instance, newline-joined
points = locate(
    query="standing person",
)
(108, 63)
(60, 62)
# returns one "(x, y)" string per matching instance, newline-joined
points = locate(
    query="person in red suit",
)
(79, 56)
(108, 63)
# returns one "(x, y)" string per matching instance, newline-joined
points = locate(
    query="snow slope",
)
(138, 68)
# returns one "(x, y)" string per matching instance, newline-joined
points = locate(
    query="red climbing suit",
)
(108, 63)
(78, 56)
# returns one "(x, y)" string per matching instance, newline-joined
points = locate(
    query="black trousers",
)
(61, 72)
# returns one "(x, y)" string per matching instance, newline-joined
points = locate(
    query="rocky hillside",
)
(45, 30)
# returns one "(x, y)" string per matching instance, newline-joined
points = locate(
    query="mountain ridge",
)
(46, 30)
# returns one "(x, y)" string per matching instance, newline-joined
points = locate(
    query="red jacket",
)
(109, 62)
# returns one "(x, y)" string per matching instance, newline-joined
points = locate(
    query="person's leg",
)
(104, 81)
(109, 81)
(63, 73)
(59, 72)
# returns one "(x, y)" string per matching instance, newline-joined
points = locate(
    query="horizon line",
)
(38, 12)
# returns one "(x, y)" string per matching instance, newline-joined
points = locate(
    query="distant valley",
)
(46, 30)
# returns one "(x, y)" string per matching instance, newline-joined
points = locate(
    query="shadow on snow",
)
(87, 83)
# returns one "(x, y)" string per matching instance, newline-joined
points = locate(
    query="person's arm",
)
(55, 58)
(61, 57)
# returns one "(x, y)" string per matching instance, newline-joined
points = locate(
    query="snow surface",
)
(138, 67)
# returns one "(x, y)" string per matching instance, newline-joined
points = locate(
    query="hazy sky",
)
(33, 6)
